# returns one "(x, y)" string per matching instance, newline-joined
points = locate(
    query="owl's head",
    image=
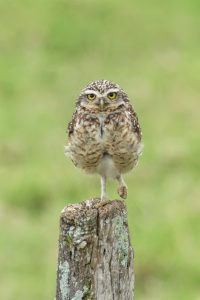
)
(102, 95)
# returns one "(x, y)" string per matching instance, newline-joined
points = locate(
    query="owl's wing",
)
(134, 121)
(71, 125)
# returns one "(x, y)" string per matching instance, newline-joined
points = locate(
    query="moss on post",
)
(95, 258)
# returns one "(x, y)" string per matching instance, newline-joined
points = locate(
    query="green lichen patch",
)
(69, 240)
(88, 295)
(64, 278)
(122, 238)
(80, 294)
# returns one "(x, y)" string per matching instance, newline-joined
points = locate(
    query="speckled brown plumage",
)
(104, 134)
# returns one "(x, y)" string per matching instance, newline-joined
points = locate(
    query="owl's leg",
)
(103, 188)
(122, 190)
(104, 199)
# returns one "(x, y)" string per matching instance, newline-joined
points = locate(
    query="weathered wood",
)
(95, 258)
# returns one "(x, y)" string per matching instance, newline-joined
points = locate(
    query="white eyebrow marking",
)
(87, 92)
(114, 90)
(98, 94)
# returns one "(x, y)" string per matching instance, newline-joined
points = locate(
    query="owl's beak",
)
(101, 103)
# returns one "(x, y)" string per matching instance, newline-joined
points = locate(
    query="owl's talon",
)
(102, 203)
(122, 191)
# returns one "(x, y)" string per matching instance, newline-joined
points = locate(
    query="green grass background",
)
(49, 50)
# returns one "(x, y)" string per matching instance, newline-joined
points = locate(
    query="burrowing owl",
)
(104, 134)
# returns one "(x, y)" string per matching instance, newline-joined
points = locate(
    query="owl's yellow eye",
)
(112, 95)
(91, 97)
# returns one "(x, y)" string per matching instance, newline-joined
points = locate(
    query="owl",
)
(104, 135)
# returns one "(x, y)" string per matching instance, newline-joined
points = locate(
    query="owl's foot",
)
(122, 191)
(103, 202)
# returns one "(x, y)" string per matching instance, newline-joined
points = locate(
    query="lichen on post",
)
(95, 259)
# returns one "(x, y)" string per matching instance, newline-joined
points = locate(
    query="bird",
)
(104, 134)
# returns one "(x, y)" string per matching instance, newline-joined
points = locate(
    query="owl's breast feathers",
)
(114, 134)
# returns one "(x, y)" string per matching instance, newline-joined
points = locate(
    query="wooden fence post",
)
(95, 259)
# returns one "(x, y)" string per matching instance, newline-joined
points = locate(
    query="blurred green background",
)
(49, 50)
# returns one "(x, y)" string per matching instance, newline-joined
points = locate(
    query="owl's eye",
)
(112, 95)
(91, 97)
